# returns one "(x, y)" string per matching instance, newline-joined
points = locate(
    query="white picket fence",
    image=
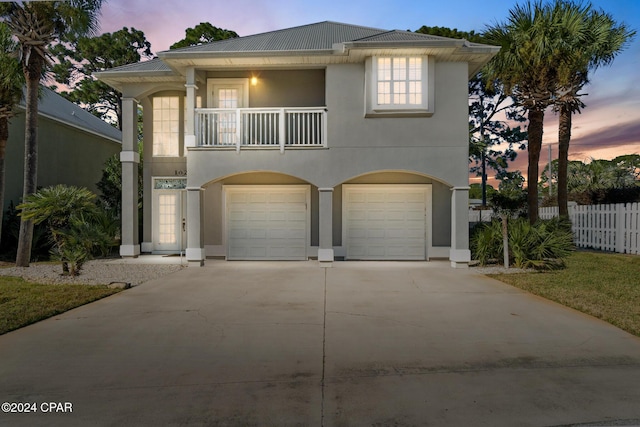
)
(614, 228)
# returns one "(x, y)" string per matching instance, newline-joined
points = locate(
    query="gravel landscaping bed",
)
(95, 272)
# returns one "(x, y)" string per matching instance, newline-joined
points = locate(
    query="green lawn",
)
(23, 303)
(603, 285)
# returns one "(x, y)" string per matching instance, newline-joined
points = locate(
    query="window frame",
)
(423, 109)
(179, 122)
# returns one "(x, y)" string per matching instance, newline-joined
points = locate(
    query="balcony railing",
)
(277, 128)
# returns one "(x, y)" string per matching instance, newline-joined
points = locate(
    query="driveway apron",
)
(290, 343)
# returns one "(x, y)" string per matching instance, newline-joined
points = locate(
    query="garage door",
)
(267, 222)
(386, 222)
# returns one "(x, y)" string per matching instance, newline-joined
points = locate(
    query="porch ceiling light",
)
(254, 81)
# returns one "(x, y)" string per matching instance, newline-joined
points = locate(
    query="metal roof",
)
(320, 43)
(319, 36)
(56, 107)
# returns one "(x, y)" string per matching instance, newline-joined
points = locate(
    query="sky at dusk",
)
(609, 126)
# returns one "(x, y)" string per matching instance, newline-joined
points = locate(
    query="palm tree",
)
(526, 67)
(64, 209)
(36, 25)
(11, 84)
(589, 39)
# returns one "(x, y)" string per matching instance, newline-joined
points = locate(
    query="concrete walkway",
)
(292, 344)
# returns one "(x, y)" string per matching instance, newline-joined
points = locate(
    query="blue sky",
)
(609, 126)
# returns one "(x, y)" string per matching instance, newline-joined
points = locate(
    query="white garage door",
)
(386, 222)
(267, 222)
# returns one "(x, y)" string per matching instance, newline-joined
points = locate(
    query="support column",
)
(325, 211)
(129, 157)
(460, 255)
(189, 131)
(195, 231)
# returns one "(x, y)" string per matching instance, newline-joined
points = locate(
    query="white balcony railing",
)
(277, 128)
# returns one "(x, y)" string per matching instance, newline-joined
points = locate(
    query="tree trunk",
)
(33, 72)
(535, 129)
(4, 136)
(564, 137)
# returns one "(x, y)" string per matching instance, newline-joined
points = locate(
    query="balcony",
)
(276, 128)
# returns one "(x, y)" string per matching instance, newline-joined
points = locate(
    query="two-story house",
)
(326, 140)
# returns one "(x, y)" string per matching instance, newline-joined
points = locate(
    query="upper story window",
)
(166, 126)
(399, 81)
(399, 85)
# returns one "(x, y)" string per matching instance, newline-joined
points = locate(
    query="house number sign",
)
(180, 172)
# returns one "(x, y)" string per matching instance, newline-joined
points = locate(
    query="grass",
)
(604, 285)
(23, 303)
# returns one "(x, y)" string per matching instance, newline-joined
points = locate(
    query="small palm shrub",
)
(542, 246)
(76, 226)
(486, 242)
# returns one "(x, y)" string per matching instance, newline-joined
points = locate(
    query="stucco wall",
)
(436, 146)
(282, 88)
(66, 155)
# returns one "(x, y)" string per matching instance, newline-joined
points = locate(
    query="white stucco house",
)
(327, 140)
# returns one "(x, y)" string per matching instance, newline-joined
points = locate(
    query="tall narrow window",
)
(166, 126)
(399, 81)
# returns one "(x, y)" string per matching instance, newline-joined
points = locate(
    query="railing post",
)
(238, 130)
(282, 128)
(324, 128)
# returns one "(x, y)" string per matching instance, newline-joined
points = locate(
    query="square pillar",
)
(325, 211)
(195, 231)
(460, 255)
(129, 158)
(190, 129)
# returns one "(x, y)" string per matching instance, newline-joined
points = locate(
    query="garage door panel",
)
(267, 222)
(385, 222)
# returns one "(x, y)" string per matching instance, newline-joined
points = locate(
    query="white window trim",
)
(244, 82)
(181, 126)
(424, 109)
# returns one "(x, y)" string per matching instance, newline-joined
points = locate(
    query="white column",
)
(325, 212)
(460, 255)
(195, 237)
(129, 157)
(190, 129)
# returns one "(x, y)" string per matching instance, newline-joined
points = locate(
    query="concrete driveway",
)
(289, 343)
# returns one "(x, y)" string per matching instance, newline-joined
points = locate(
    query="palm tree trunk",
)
(4, 136)
(535, 129)
(564, 137)
(33, 72)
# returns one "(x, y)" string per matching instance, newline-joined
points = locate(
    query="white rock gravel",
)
(95, 272)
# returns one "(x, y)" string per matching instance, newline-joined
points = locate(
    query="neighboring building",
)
(326, 140)
(73, 146)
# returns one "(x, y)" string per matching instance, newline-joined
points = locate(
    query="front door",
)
(169, 220)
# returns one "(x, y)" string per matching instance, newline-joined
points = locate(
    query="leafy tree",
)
(527, 67)
(110, 184)
(11, 85)
(37, 25)
(203, 33)
(475, 191)
(598, 181)
(587, 39)
(80, 57)
(491, 113)
(630, 163)
(487, 131)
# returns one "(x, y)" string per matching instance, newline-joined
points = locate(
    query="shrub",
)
(544, 245)
(77, 227)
